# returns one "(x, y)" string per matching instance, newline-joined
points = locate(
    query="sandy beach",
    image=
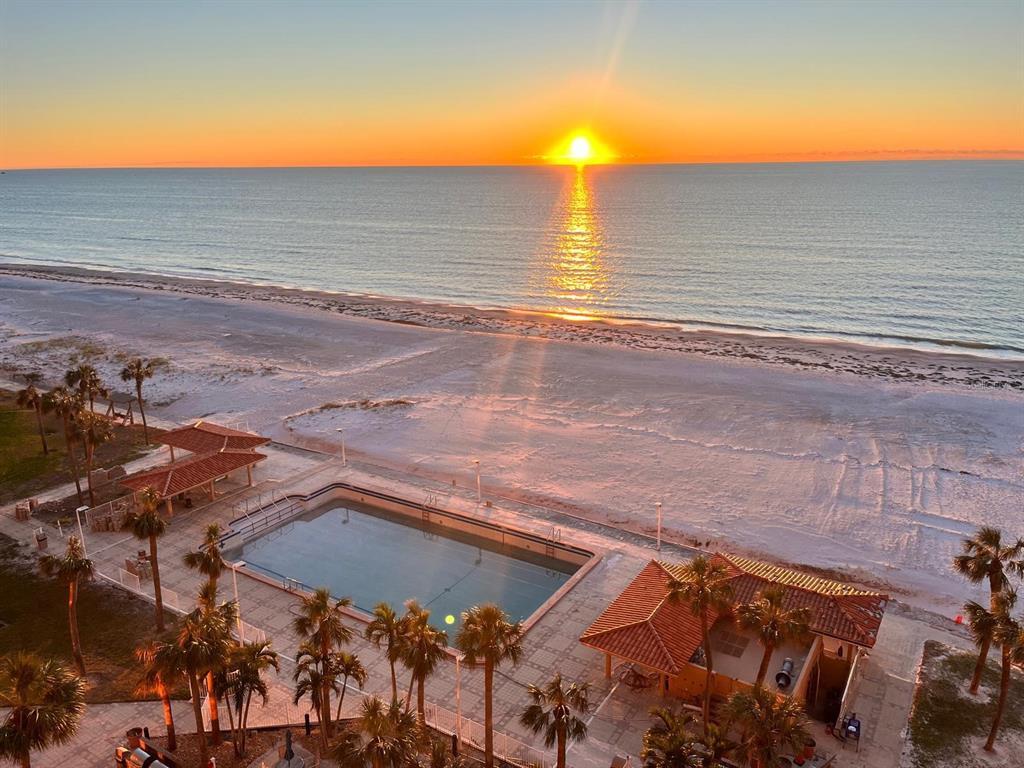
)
(870, 461)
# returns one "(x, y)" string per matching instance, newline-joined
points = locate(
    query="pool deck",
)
(619, 717)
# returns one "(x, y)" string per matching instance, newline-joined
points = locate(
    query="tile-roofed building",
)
(644, 627)
(207, 437)
(168, 480)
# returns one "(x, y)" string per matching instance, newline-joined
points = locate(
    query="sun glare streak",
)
(577, 276)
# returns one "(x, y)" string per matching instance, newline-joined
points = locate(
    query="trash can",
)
(40, 540)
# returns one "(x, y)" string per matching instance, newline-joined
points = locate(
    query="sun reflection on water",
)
(576, 273)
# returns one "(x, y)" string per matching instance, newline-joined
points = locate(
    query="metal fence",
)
(109, 516)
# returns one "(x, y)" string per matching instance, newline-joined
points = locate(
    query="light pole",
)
(657, 504)
(344, 460)
(238, 605)
(81, 533)
(479, 496)
(458, 699)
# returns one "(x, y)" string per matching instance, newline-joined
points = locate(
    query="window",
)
(731, 643)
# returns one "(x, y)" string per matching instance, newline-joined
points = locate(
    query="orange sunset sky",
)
(221, 84)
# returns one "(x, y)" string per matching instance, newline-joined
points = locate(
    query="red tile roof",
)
(641, 625)
(186, 474)
(207, 437)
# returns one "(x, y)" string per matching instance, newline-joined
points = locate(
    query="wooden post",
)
(248, 472)
(213, 494)
(170, 506)
(608, 665)
(172, 451)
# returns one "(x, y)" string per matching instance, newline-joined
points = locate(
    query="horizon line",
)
(910, 156)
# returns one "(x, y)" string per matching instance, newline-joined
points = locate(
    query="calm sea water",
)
(922, 252)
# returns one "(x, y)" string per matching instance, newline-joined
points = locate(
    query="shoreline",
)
(896, 363)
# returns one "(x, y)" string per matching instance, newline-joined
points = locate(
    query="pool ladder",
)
(549, 545)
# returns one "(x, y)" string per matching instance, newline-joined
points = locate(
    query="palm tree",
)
(162, 663)
(145, 522)
(241, 678)
(703, 585)
(313, 675)
(1009, 633)
(93, 431)
(204, 641)
(67, 405)
(767, 724)
(386, 630)
(773, 624)
(553, 709)
(218, 621)
(87, 380)
(44, 703)
(986, 558)
(71, 568)
(208, 559)
(31, 397)
(137, 371)
(423, 648)
(347, 666)
(670, 742)
(383, 737)
(319, 622)
(488, 638)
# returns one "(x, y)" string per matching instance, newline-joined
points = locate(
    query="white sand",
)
(752, 444)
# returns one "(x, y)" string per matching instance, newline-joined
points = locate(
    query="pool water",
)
(372, 557)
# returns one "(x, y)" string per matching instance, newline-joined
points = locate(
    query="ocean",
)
(919, 253)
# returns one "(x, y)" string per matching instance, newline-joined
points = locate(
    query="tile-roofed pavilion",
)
(206, 437)
(643, 627)
(169, 480)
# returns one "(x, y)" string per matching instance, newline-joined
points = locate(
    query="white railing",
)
(278, 512)
(473, 733)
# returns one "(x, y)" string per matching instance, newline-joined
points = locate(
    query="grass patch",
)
(112, 622)
(947, 723)
(25, 470)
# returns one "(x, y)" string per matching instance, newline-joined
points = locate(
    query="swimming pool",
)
(448, 562)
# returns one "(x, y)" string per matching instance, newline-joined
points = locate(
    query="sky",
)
(109, 84)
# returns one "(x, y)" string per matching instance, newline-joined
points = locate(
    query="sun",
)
(580, 148)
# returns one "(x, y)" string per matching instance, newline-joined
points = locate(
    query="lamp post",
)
(458, 699)
(657, 505)
(81, 533)
(479, 496)
(238, 605)
(344, 459)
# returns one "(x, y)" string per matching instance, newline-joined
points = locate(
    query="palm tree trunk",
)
(1004, 689)
(245, 720)
(488, 714)
(323, 716)
(325, 650)
(231, 724)
(142, 411)
(408, 693)
(762, 671)
(71, 456)
(979, 665)
(211, 701)
(706, 636)
(76, 643)
(341, 697)
(89, 454)
(421, 700)
(42, 433)
(158, 596)
(561, 747)
(26, 760)
(394, 682)
(165, 700)
(197, 711)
